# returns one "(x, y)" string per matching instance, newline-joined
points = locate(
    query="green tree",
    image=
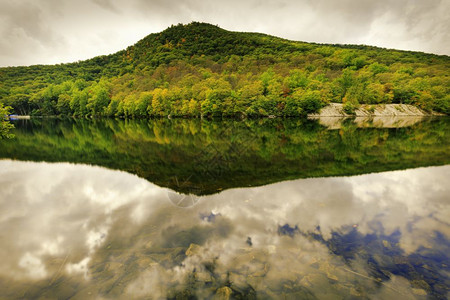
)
(296, 79)
(5, 126)
(99, 102)
(311, 101)
(442, 104)
(193, 108)
(79, 102)
(293, 107)
(142, 103)
(63, 104)
(342, 84)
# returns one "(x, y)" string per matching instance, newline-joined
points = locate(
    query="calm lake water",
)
(266, 209)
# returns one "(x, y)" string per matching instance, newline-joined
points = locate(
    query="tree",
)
(142, 104)
(5, 126)
(99, 102)
(442, 104)
(63, 105)
(296, 79)
(266, 78)
(293, 107)
(20, 103)
(311, 102)
(78, 103)
(112, 109)
(342, 84)
(159, 98)
(377, 68)
(193, 108)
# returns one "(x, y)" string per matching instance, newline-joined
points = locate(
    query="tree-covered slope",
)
(201, 69)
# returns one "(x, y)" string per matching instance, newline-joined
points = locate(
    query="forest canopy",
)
(202, 70)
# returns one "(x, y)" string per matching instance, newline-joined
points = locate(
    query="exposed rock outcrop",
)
(376, 110)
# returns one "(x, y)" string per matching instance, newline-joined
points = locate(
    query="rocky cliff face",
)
(368, 110)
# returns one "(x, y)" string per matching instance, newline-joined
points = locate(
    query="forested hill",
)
(201, 69)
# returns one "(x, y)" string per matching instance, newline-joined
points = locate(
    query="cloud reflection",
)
(81, 229)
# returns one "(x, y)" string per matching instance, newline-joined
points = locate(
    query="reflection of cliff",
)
(204, 157)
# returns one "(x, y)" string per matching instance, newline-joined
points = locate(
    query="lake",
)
(182, 209)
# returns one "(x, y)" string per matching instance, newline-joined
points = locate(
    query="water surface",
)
(88, 232)
(93, 210)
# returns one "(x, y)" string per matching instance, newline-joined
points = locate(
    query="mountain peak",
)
(194, 26)
(198, 38)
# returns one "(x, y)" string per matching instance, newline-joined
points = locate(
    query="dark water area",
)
(192, 209)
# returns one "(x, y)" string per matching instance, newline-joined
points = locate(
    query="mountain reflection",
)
(203, 157)
(86, 232)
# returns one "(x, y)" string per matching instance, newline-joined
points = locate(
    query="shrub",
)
(442, 105)
(350, 106)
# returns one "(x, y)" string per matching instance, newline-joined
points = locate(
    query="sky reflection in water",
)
(87, 232)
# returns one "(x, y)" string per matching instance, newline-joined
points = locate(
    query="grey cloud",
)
(25, 17)
(54, 30)
(25, 29)
(106, 4)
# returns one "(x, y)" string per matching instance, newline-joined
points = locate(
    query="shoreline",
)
(332, 110)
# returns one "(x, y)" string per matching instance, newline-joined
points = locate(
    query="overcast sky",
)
(54, 31)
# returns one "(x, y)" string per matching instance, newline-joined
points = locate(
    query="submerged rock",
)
(419, 292)
(223, 293)
(193, 249)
